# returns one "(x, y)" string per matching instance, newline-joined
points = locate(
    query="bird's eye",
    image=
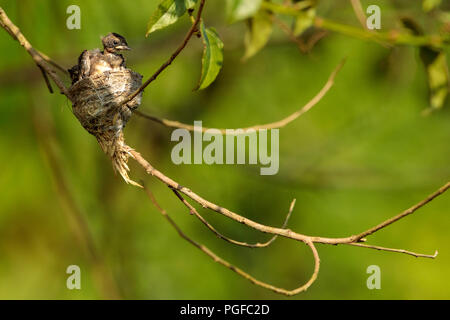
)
(116, 42)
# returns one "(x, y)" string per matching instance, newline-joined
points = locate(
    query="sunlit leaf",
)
(438, 81)
(242, 9)
(435, 62)
(259, 29)
(303, 21)
(429, 5)
(212, 59)
(167, 13)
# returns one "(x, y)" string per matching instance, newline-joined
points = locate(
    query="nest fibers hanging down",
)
(97, 105)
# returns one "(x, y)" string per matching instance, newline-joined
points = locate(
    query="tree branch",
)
(404, 213)
(417, 255)
(359, 12)
(287, 233)
(193, 211)
(233, 268)
(42, 63)
(392, 37)
(188, 36)
(273, 125)
(355, 240)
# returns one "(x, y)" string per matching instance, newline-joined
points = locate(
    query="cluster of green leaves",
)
(435, 62)
(436, 65)
(169, 12)
(259, 16)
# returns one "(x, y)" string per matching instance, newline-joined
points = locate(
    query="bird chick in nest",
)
(100, 81)
(92, 62)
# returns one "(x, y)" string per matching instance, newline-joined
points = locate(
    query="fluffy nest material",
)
(97, 105)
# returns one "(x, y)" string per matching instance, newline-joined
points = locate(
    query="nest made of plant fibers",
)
(97, 104)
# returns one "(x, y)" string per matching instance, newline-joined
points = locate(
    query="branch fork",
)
(47, 66)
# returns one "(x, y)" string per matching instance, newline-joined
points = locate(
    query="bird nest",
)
(97, 104)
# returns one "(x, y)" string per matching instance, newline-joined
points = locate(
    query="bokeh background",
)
(363, 154)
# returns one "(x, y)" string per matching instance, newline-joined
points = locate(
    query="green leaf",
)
(242, 9)
(435, 62)
(429, 5)
(438, 81)
(212, 59)
(167, 13)
(303, 21)
(259, 30)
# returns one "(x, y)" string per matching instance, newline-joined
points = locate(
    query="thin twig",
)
(287, 233)
(417, 255)
(14, 31)
(361, 16)
(53, 63)
(47, 82)
(235, 269)
(359, 12)
(405, 213)
(274, 125)
(288, 31)
(193, 211)
(188, 36)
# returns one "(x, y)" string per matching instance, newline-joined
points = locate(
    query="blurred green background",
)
(363, 154)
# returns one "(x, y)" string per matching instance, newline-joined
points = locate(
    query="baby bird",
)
(92, 62)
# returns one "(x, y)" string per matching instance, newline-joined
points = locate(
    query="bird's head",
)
(114, 42)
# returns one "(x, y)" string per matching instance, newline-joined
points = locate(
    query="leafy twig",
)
(193, 30)
(393, 37)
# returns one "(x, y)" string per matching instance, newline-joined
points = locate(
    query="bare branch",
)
(14, 31)
(47, 82)
(359, 12)
(417, 255)
(45, 63)
(233, 268)
(193, 211)
(53, 63)
(404, 213)
(274, 125)
(288, 31)
(287, 233)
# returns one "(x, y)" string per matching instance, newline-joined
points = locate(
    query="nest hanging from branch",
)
(97, 105)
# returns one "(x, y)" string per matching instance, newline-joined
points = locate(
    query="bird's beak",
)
(123, 48)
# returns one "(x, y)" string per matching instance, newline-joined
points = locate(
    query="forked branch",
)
(188, 36)
(193, 211)
(46, 64)
(41, 60)
(233, 268)
(287, 233)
